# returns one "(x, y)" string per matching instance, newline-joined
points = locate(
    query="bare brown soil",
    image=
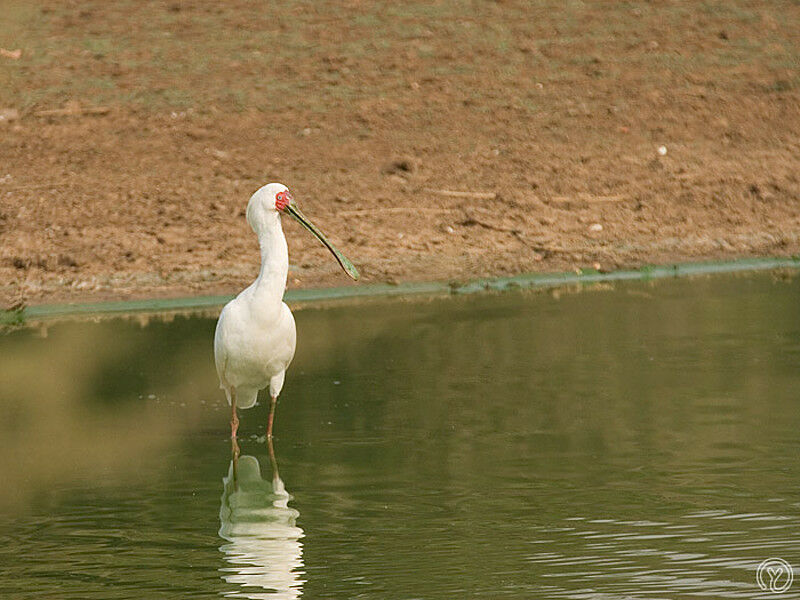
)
(132, 134)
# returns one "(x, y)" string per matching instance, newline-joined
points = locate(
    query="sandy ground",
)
(582, 134)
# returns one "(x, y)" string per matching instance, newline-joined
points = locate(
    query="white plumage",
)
(255, 337)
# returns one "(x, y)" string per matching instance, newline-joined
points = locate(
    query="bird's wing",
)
(289, 337)
(220, 349)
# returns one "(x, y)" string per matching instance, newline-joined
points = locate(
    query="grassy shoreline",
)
(301, 297)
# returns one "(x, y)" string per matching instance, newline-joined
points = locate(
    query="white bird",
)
(255, 337)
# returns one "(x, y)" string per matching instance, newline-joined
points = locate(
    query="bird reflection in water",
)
(263, 545)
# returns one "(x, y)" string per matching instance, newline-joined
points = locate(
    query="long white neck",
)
(271, 282)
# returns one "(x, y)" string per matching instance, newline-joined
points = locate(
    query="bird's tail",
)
(245, 397)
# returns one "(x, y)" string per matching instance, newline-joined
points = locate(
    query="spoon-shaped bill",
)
(343, 261)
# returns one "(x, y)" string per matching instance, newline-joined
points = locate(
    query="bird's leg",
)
(272, 460)
(272, 404)
(235, 462)
(235, 452)
(234, 416)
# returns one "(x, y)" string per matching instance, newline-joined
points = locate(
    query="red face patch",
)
(282, 199)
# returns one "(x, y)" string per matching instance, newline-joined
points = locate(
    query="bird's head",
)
(270, 201)
(266, 203)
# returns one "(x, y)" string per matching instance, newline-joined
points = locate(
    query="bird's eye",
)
(282, 199)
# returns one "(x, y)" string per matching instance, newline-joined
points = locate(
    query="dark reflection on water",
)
(640, 442)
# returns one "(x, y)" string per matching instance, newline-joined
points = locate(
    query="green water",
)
(634, 442)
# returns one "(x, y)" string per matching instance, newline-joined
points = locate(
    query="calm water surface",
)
(635, 442)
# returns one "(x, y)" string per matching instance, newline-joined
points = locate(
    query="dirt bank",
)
(585, 134)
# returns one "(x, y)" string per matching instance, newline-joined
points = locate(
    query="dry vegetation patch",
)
(133, 132)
